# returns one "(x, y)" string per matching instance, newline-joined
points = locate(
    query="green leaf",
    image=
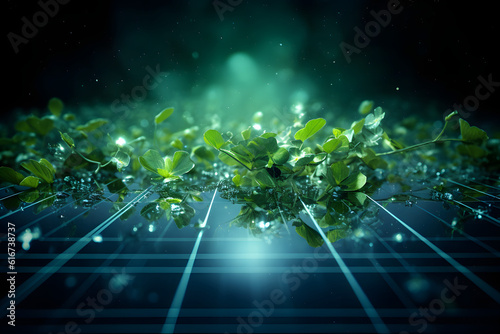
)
(67, 139)
(246, 133)
(310, 129)
(232, 159)
(121, 160)
(177, 143)
(365, 107)
(335, 235)
(183, 217)
(181, 163)
(472, 151)
(55, 106)
(472, 134)
(7, 174)
(92, 125)
(281, 156)
(339, 171)
(47, 164)
(34, 124)
(348, 134)
(304, 160)
(237, 180)
(312, 237)
(152, 212)
(358, 126)
(337, 145)
(332, 145)
(354, 182)
(31, 195)
(30, 181)
(327, 220)
(394, 144)
(264, 179)
(260, 147)
(203, 153)
(163, 115)
(357, 198)
(214, 139)
(373, 120)
(152, 161)
(337, 132)
(39, 170)
(268, 135)
(371, 159)
(166, 173)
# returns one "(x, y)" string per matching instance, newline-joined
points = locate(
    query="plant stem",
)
(234, 158)
(436, 140)
(418, 145)
(99, 165)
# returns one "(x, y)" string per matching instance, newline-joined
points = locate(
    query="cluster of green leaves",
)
(115, 155)
(167, 168)
(270, 158)
(336, 163)
(42, 171)
(266, 161)
(332, 160)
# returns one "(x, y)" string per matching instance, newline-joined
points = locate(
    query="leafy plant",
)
(120, 158)
(166, 167)
(41, 126)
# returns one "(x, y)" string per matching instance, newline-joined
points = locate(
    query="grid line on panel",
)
(487, 288)
(45, 272)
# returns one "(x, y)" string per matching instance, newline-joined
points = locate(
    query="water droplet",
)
(398, 237)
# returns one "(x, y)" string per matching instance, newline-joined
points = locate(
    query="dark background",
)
(91, 52)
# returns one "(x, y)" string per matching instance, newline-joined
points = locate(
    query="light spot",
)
(121, 141)
(97, 238)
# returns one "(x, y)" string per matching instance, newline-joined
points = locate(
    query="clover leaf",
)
(336, 234)
(163, 115)
(472, 134)
(373, 120)
(339, 175)
(30, 181)
(92, 125)
(121, 159)
(310, 129)
(7, 174)
(339, 171)
(365, 107)
(55, 106)
(67, 139)
(214, 139)
(152, 161)
(181, 163)
(312, 237)
(40, 169)
(168, 168)
(41, 126)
